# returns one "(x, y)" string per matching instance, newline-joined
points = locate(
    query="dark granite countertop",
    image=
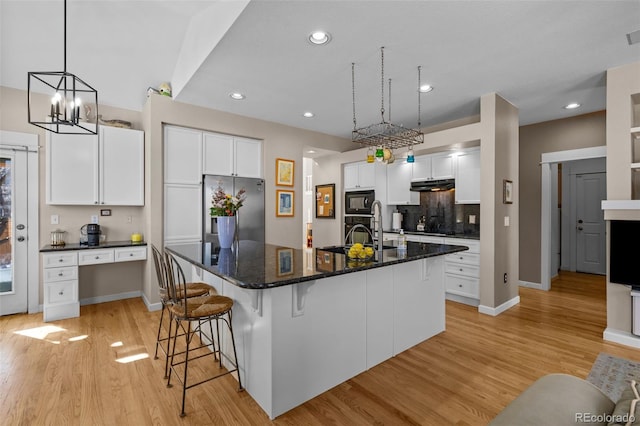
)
(254, 265)
(78, 246)
(432, 234)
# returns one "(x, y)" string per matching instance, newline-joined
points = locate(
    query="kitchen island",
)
(308, 320)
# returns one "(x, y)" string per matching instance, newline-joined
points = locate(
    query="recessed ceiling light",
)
(572, 105)
(426, 88)
(237, 96)
(319, 37)
(311, 151)
(308, 114)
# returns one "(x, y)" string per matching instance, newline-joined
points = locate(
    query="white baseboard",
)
(462, 299)
(487, 310)
(621, 337)
(529, 284)
(110, 298)
(151, 306)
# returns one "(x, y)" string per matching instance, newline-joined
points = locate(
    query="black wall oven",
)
(358, 202)
(359, 235)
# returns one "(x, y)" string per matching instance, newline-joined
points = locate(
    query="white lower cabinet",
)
(95, 256)
(462, 272)
(297, 341)
(418, 311)
(60, 276)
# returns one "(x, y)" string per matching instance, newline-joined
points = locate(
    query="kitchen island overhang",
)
(308, 320)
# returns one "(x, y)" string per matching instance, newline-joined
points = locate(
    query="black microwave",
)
(358, 202)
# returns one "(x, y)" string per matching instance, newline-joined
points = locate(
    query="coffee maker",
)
(90, 231)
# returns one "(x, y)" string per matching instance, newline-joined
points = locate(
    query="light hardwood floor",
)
(463, 376)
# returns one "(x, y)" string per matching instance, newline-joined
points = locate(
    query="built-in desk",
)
(60, 272)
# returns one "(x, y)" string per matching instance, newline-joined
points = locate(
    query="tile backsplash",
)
(442, 214)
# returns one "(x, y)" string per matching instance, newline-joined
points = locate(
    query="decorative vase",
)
(226, 230)
(226, 261)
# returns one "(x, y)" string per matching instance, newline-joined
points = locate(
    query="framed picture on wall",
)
(284, 172)
(284, 203)
(325, 201)
(507, 191)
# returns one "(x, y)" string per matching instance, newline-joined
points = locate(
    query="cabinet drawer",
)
(61, 292)
(462, 269)
(54, 260)
(94, 257)
(60, 274)
(462, 286)
(129, 254)
(474, 245)
(464, 257)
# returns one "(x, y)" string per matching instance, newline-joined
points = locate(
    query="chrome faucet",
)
(379, 224)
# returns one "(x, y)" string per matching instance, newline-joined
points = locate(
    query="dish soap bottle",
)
(402, 243)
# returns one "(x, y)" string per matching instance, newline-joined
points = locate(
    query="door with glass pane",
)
(13, 232)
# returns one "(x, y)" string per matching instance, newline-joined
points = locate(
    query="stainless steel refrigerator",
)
(250, 217)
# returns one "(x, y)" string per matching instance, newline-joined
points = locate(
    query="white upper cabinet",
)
(218, 154)
(361, 175)
(422, 168)
(431, 167)
(182, 156)
(398, 183)
(231, 156)
(121, 166)
(89, 169)
(72, 169)
(468, 177)
(442, 166)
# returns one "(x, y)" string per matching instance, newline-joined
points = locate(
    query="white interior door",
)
(13, 232)
(590, 225)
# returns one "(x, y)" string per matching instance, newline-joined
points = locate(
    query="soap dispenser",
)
(402, 242)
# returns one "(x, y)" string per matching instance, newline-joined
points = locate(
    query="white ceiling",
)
(539, 55)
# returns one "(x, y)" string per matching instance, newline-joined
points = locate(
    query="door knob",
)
(20, 227)
(579, 220)
(21, 238)
(579, 228)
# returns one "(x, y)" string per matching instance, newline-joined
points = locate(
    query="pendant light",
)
(68, 93)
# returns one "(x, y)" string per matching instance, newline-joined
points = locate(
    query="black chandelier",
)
(69, 94)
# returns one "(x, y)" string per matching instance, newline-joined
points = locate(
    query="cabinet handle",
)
(98, 257)
(460, 285)
(95, 202)
(461, 269)
(461, 258)
(61, 293)
(60, 260)
(60, 274)
(130, 254)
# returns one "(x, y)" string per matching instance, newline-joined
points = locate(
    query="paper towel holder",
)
(396, 223)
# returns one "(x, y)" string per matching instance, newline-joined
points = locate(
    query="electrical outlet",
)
(94, 218)
(472, 219)
(55, 219)
(505, 278)
(506, 221)
(129, 219)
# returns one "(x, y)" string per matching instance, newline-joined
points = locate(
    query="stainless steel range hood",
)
(433, 185)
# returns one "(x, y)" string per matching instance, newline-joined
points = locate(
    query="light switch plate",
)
(472, 219)
(506, 221)
(55, 219)
(94, 218)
